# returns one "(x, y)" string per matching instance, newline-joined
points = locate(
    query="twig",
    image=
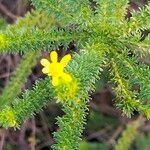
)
(7, 12)
(2, 135)
(112, 139)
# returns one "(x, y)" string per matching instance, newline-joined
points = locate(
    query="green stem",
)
(85, 68)
(31, 101)
(71, 124)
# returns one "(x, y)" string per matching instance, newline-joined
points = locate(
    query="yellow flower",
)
(2, 41)
(11, 118)
(7, 116)
(56, 69)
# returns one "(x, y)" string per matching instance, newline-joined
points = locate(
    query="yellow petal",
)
(64, 61)
(45, 62)
(54, 56)
(55, 81)
(46, 70)
(67, 77)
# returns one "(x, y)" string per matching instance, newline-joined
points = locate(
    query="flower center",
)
(56, 69)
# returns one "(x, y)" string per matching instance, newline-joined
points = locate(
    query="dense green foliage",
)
(104, 39)
(14, 86)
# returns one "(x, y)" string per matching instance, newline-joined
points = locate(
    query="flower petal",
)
(54, 56)
(64, 61)
(67, 77)
(55, 81)
(45, 62)
(46, 70)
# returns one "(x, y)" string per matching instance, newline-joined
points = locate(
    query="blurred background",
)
(105, 123)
